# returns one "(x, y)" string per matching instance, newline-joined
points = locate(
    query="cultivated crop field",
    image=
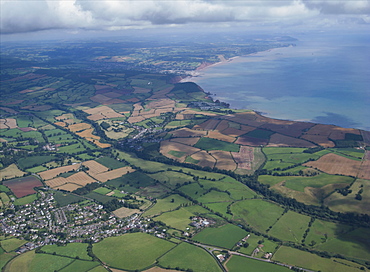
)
(23, 186)
(238, 263)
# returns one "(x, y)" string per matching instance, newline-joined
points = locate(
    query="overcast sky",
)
(76, 16)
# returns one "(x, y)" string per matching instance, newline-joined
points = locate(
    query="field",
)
(285, 230)
(166, 204)
(178, 219)
(80, 179)
(132, 251)
(213, 144)
(25, 200)
(185, 150)
(239, 263)
(311, 261)
(11, 244)
(125, 212)
(11, 171)
(23, 186)
(186, 256)
(49, 174)
(335, 164)
(349, 203)
(64, 199)
(244, 158)
(215, 196)
(110, 163)
(72, 250)
(225, 236)
(80, 265)
(257, 213)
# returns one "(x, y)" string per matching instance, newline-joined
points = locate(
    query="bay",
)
(323, 79)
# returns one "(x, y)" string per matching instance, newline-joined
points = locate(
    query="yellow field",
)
(102, 112)
(79, 179)
(61, 124)
(161, 103)
(335, 164)
(187, 132)
(124, 212)
(101, 145)
(8, 123)
(68, 187)
(279, 140)
(224, 160)
(219, 136)
(365, 170)
(11, 171)
(88, 134)
(52, 173)
(64, 116)
(244, 157)
(207, 125)
(116, 173)
(79, 127)
(94, 167)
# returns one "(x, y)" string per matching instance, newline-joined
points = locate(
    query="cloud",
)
(27, 15)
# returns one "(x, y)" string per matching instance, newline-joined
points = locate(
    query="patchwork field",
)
(12, 171)
(239, 263)
(52, 173)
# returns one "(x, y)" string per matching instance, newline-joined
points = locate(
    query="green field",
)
(80, 265)
(193, 190)
(178, 219)
(185, 256)
(131, 251)
(260, 134)
(298, 183)
(166, 204)
(29, 162)
(290, 227)
(323, 231)
(172, 178)
(31, 262)
(102, 190)
(12, 244)
(225, 236)
(25, 200)
(72, 250)
(111, 163)
(239, 263)
(256, 241)
(213, 144)
(220, 207)
(257, 213)
(311, 261)
(63, 199)
(135, 179)
(215, 196)
(355, 244)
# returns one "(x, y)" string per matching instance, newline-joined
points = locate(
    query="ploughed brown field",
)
(23, 186)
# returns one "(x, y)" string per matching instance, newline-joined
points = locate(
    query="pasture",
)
(186, 256)
(80, 265)
(239, 263)
(178, 219)
(12, 244)
(25, 200)
(168, 203)
(257, 213)
(311, 261)
(71, 250)
(215, 196)
(132, 251)
(10, 172)
(290, 227)
(225, 236)
(110, 163)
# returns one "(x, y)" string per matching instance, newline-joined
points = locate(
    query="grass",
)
(36, 169)
(111, 163)
(5, 258)
(25, 200)
(98, 197)
(102, 190)
(193, 190)
(355, 244)
(72, 250)
(12, 244)
(220, 207)
(166, 204)
(185, 256)
(260, 134)
(177, 154)
(215, 196)
(33, 161)
(239, 263)
(178, 219)
(323, 231)
(172, 178)
(310, 261)
(131, 251)
(135, 179)
(80, 265)
(290, 227)
(257, 213)
(63, 199)
(213, 144)
(225, 236)
(3, 188)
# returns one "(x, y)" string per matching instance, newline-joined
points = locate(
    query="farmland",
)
(141, 163)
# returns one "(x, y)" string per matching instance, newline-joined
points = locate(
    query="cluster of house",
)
(200, 222)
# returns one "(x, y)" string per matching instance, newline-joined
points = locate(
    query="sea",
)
(324, 78)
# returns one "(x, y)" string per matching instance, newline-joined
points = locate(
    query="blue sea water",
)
(323, 79)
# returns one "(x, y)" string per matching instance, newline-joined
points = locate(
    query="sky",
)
(27, 18)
